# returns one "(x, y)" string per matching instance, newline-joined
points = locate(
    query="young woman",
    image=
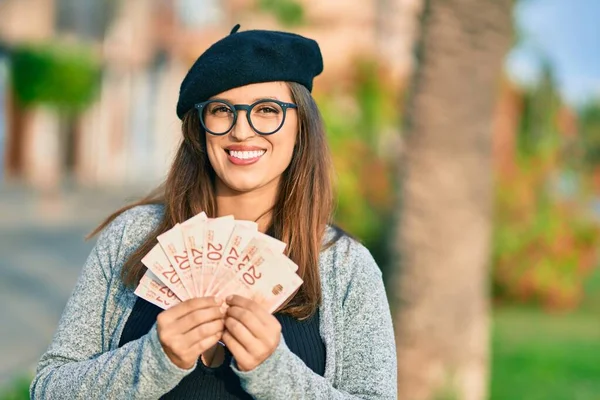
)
(254, 147)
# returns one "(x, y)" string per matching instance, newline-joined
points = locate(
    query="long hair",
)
(302, 210)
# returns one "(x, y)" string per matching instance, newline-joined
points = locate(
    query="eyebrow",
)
(252, 101)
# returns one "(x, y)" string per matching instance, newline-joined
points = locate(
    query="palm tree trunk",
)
(440, 289)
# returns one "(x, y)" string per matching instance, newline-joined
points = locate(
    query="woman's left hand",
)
(251, 332)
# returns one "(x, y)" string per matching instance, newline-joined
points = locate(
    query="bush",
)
(589, 133)
(544, 244)
(288, 12)
(66, 78)
(544, 248)
(356, 122)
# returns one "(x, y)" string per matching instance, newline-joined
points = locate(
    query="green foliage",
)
(544, 248)
(544, 245)
(65, 78)
(17, 390)
(356, 121)
(541, 356)
(537, 131)
(377, 103)
(288, 12)
(589, 134)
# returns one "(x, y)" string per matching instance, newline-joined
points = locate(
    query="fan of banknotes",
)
(217, 257)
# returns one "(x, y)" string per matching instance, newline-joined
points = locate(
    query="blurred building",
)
(129, 134)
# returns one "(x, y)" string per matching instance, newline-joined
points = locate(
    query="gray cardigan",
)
(84, 361)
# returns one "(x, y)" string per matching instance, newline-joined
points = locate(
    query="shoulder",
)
(126, 232)
(346, 259)
(346, 248)
(133, 223)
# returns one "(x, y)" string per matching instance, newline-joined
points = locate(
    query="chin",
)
(243, 185)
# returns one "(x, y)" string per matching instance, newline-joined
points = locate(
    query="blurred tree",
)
(544, 242)
(362, 122)
(538, 134)
(289, 13)
(589, 133)
(440, 292)
(56, 75)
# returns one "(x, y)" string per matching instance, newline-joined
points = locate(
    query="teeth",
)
(244, 155)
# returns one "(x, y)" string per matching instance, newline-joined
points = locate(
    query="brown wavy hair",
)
(299, 218)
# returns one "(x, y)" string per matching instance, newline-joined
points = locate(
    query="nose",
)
(242, 129)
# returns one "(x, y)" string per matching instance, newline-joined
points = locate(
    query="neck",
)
(256, 205)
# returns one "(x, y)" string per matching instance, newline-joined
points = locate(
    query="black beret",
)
(249, 57)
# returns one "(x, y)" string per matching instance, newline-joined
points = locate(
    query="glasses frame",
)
(246, 107)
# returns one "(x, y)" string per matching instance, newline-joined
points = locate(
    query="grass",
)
(542, 356)
(17, 390)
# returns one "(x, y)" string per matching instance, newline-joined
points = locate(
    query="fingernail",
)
(229, 298)
(218, 300)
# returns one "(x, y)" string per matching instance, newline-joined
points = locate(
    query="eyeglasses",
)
(265, 116)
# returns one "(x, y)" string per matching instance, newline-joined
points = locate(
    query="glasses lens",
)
(218, 117)
(266, 117)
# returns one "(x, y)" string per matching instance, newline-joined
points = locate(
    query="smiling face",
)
(243, 160)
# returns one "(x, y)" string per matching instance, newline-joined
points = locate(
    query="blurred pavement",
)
(42, 251)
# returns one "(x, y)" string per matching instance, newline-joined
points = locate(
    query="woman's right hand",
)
(190, 328)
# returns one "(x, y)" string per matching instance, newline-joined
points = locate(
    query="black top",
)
(302, 338)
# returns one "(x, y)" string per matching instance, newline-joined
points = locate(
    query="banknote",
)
(243, 244)
(279, 278)
(218, 231)
(264, 280)
(173, 245)
(154, 291)
(218, 257)
(193, 231)
(242, 233)
(157, 262)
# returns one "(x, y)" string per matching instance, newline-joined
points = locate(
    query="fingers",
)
(239, 352)
(241, 316)
(241, 333)
(184, 348)
(201, 332)
(205, 344)
(189, 326)
(238, 301)
(197, 317)
(252, 334)
(185, 356)
(188, 306)
(241, 301)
